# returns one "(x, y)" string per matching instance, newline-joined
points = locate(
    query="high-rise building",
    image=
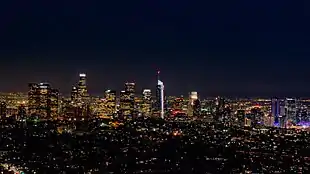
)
(191, 98)
(54, 103)
(110, 102)
(275, 109)
(146, 102)
(74, 94)
(290, 109)
(42, 100)
(160, 97)
(130, 87)
(147, 95)
(39, 99)
(126, 104)
(82, 89)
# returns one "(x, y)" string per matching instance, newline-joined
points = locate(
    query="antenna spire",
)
(158, 73)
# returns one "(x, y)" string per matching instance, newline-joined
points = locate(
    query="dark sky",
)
(246, 47)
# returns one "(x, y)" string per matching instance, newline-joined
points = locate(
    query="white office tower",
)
(160, 98)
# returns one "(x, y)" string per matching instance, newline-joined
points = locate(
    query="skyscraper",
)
(130, 87)
(82, 89)
(146, 102)
(74, 94)
(290, 109)
(191, 98)
(275, 109)
(126, 104)
(42, 100)
(54, 103)
(160, 96)
(147, 94)
(110, 102)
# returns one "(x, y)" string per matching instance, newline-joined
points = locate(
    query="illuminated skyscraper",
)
(290, 109)
(160, 96)
(191, 99)
(42, 100)
(147, 94)
(126, 104)
(275, 109)
(130, 87)
(82, 89)
(54, 103)
(110, 102)
(74, 94)
(146, 102)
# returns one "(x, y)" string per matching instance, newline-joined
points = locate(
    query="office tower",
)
(110, 102)
(146, 102)
(126, 104)
(275, 109)
(192, 97)
(42, 100)
(54, 103)
(130, 87)
(3, 108)
(39, 99)
(290, 109)
(74, 94)
(147, 94)
(82, 89)
(160, 96)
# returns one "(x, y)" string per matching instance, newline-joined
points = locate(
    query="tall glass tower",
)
(160, 96)
(82, 89)
(275, 109)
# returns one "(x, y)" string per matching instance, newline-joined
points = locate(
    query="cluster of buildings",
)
(43, 101)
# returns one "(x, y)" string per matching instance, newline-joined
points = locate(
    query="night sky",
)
(240, 48)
